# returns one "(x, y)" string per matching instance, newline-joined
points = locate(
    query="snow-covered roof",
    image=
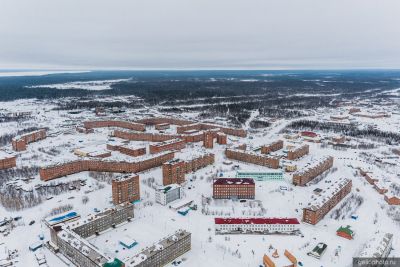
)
(317, 201)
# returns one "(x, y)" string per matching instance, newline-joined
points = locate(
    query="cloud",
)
(199, 34)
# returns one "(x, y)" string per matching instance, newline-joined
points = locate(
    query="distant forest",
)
(157, 87)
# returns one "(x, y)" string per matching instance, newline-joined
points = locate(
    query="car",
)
(32, 222)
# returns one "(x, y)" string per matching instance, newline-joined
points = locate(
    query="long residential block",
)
(20, 142)
(174, 144)
(115, 123)
(326, 200)
(252, 157)
(312, 170)
(134, 166)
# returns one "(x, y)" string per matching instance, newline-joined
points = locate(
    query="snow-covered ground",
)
(153, 221)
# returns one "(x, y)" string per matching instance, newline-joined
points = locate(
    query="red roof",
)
(256, 221)
(309, 134)
(233, 181)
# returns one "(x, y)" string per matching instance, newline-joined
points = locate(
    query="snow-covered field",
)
(153, 221)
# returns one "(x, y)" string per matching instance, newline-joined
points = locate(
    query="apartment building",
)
(162, 126)
(20, 142)
(233, 188)
(163, 252)
(138, 136)
(297, 152)
(7, 160)
(70, 238)
(174, 171)
(125, 188)
(167, 194)
(312, 170)
(252, 157)
(272, 147)
(174, 144)
(130, 150)
(208, 139)
(326, 200)
(115, 123)
(378, 247)
(222, 138)
(103, 165)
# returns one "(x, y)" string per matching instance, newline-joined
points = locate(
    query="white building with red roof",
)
(256, 225)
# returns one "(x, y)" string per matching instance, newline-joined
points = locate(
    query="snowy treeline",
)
(348, 130)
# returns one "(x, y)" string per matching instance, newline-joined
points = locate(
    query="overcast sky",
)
(214, 34)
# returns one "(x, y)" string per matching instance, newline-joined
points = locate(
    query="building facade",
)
(174, 144)
(321, 204)
(7, 160)
(125, 188)
(272, 147)
(252, 157)
(298, 152)
(208, 141)
(133, 151)
(256, 225)
(174, 171)
(222, 138)
(169, 193)
(233, 188)
(76, 166)
(20, 142)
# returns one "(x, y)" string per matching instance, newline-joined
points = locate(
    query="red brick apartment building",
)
(162, 126)
(208, 141)
(125, 188)
(272, 147)
(19, 143)
(60, 170)
(174, 144)
(115, 123)
(325, 201)
(392, 200)
(127, 150)
(298, 152)
(150, 137)
(311, 171)
(251, 157)
(7, 160)
(192, 136)
(221, 138)
(226, 188)
(174, 171)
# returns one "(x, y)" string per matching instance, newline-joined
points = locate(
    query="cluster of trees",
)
(13, 200)
(389, 138)
(348, 207)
